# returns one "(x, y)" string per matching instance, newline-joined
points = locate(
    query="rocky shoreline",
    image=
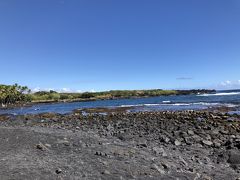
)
(120, 145)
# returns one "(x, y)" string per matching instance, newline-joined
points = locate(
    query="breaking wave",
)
(221, 94)
(181, 104)
(166, 101)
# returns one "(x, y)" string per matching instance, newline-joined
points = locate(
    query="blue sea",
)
(160, 103)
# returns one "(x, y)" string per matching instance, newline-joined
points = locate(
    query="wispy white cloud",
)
(68, 90)
(36, 89)
(61, 90)
(229, 84)
(226, 83)
(65, 90)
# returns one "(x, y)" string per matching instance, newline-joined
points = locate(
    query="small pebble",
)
(58, 171)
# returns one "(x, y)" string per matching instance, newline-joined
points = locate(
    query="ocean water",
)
(160, 103)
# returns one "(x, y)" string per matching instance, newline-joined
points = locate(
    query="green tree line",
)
(10, 94)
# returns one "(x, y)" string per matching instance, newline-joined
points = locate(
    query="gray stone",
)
(234, 157)
(58, 171)
(177, 143)
(40, 146)
(159, 169)
(159, 151)
(106, 172)
(165, 139)
(208, 143)
(190, 132)
(188, 140)
(217, 144)
(48, 145)
(224, 132)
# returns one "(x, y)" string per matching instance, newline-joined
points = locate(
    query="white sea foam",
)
(178, 104)
(206, 104)
(131, 105)
(221, 94)
(181, 104)
(231, 105)
(139, 105)
(166, 101)
(151, 104)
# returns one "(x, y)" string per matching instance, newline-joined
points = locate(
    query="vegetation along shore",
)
(17, 95)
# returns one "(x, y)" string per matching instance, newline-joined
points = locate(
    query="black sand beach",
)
(144, 145)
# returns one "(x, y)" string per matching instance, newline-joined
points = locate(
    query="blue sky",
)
(120, 44)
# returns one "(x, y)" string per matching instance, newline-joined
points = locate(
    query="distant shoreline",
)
(112, 95)
(107, 95)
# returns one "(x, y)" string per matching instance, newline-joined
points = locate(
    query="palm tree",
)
(12, 94)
